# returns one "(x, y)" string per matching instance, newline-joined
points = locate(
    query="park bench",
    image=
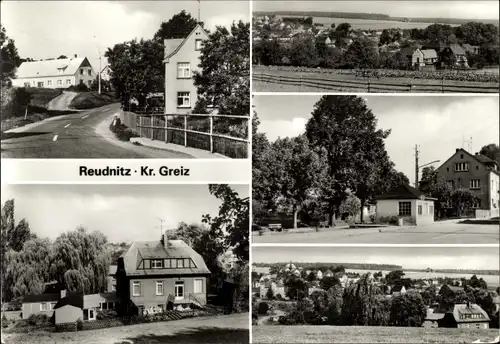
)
(275, 227)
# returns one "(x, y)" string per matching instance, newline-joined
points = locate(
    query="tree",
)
(398, 60)
(224, 79)
(329, 282)
(428, 173)
(344, 29)
(61, 57)
(351, 207)
(294, 170)
(346, 130)
(179, 26)
(137, 69)
(463, 200)
(394, 276)
(492, 151)
(269, 52)
(360, 54)
(303, 52)
(232, 224)
(408, 310)
(10, 57)
(270, 293)
(429, 295)
(296, 288)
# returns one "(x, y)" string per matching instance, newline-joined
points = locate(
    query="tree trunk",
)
(361, 214)
(330, 214)
(295, 215)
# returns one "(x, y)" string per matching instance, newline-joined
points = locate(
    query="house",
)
(469, 315)
(454, 55)
(430, 56)
(69, 309)
(61, 73)
(398, 289)
(98, 302)
(417, 59)
(106, 73)
(181, 60)
(111, 279)
(39, 304)
(329, 43)
(160, 274)
(423, 58)
(470, 49)
(479, 174)
(407, 203)
(278, 288)
(319, 275)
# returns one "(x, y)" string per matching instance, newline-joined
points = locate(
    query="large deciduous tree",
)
(179, 26)
(224, 79)
(492, 151)
(10, 59)
(408, 310)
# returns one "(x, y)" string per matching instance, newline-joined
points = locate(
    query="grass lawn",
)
(89, 100)
(367, 334)
(42, 96)
(216, 329)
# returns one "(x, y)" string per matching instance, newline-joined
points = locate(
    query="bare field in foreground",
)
(367, 334)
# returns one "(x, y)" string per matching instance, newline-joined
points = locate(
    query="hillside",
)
(375, 16)
(356, 266)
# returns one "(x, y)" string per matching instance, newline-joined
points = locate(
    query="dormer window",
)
(156, 263)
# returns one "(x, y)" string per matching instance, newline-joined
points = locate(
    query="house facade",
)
(106, 73)
(39, 304)
(454, 55)
(407, 203)
(479, 174)
(468, 315)
(181, 60)
(158, 275)
(111, 279)
(69, 309)
(61, 73)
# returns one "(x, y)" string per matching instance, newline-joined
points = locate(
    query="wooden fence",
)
(194, 130)
(370, 85)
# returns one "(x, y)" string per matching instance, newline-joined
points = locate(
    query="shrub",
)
(79, 324)
(81, 87)
(38, 320)
(5, 321)
(122, 132)
(106, 314)
(263, 308)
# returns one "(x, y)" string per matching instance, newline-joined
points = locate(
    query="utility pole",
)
(416, 166)
(99, 71)
(199, 16)
(162, 221)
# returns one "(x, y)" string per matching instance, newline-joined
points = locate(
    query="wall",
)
(86, 78)
(34, 81)
(391, 208)
(473, 325)
(111, 281)
(148, 297)
(67, 314)
(476, 171)
(186, 53)
(494, 191)
(34, 308)
(427, 216)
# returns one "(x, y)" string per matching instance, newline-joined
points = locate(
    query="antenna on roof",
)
(199, 5)
(162, 221)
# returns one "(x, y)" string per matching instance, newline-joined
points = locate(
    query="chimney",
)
(76, 56)
(457, 149)
(63, 293)
(476, 153)
(164, 239)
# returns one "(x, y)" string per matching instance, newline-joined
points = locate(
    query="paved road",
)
(78, 135)
(438, 233)
(62, 102)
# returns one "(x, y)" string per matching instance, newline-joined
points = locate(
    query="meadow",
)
(368, 334)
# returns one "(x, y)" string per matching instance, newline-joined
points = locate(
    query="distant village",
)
(418, 49)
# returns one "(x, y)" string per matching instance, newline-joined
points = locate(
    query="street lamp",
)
(99, 71)
(418, 169)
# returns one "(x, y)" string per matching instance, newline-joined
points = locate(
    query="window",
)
(431, 210)
(183, 70)
(404, 208)
(161, 307)
(159, 287)
(90, 71)
(477, 167)
(111, 305)
(156, 264)
(462, 166)
(52, 305)
(186, 262)
(179, 289)
(183, 100)
(34, 83)
(476, 203)
(419, 209)
(198, 286)
(44, 306)
(478, 325)
(40, 84)
(91, 314)
(447, 169)
(59, 82)
(475, 183)
(198, 44)
(103, 305)
(167, 264)
(81, 71)
(89, 82)
(49, 82)
(68, 81)
(180, 263)
(26, 84)
(136, 288)
(461, 156)
(113, 287)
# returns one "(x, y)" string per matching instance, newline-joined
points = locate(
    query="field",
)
(367, 334)
(221, 329)
(370, 24)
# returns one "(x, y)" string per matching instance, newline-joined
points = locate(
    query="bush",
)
(5, 321)
(106, 314)
(79, 324)
(81, 87)
(122, 132)
(263, 308)
(38, 320)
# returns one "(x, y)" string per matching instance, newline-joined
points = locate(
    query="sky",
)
(121, 212)
(418, 9)
(438, 124)
(484, 258)
(46, 29)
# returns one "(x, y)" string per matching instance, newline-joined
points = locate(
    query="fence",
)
(370, 85)
(194, 130)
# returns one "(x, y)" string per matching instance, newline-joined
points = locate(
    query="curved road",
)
(83, 134)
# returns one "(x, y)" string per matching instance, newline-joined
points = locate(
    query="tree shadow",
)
(6, 136)
(194, 335)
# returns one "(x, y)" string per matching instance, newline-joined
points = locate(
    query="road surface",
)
(78, 135)
(437, 233)
(62, 101)
(231, 329)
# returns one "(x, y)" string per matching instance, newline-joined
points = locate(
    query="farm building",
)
(407, 203)
(60, 73)
(469, 315)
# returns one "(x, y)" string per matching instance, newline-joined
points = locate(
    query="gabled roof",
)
(92, 300)
(403, 192)
(456, 49)
(62, 67)
(73, 299)
(140, 250)
(429, 53)
(471, 308)
(41, 298)
(483, 159)
(174, 45)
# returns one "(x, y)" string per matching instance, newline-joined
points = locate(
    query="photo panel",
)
(88, 261)
(394, 169)
(375, 294)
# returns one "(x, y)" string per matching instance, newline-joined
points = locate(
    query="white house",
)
(181, 60)
(407, 203)
(61, 73)
(106, 73)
